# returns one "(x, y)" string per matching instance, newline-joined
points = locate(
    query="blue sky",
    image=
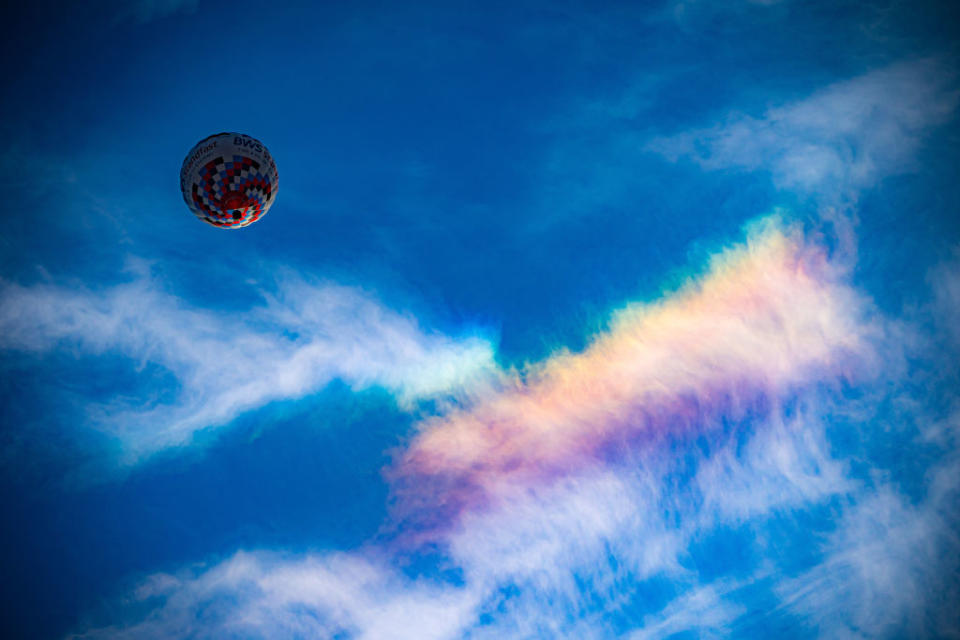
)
(592, 320)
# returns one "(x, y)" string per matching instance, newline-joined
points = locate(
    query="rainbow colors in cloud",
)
(768, 317)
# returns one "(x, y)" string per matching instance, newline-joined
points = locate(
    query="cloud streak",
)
(842, 139)
(317, 596)
(224, 363)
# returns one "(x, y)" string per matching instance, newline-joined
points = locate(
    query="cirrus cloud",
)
(223, 363)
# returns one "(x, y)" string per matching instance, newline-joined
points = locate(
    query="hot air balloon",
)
(229, 180)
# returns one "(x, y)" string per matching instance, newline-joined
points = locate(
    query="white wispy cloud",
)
(844, 137)
(945, 281)
(886, 573)
(786, 465)
(304, 335)
(261, 595)
(701, 608)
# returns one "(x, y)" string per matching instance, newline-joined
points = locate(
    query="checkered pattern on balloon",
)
(234, 192)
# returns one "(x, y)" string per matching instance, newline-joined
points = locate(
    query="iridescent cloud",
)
(768, 317)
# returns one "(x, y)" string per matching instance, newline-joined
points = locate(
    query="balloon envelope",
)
(229, 180)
